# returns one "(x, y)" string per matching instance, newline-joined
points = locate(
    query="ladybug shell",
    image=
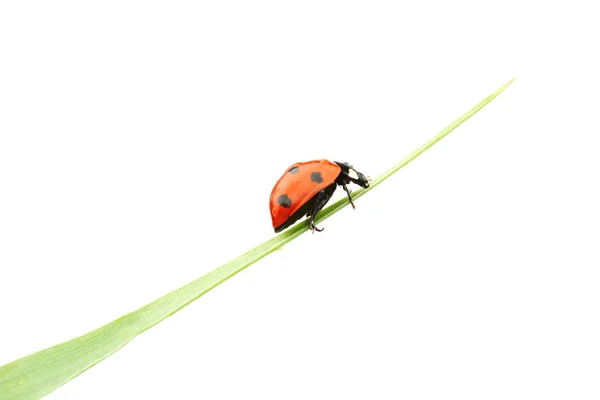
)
(298, 185)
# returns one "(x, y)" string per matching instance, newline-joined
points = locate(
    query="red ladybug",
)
(306, 187)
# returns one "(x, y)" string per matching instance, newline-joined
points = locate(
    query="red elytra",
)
(306, 187)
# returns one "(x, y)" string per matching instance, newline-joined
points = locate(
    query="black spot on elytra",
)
(294, 170)
(284, 201)
(316, 177)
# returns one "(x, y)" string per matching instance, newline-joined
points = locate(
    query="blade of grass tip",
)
(443, 133)
(40, 373)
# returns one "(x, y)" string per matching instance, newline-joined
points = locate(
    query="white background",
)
(139, 142)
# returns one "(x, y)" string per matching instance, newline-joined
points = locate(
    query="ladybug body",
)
(306, 187)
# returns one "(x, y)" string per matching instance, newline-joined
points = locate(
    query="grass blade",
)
(40, 373)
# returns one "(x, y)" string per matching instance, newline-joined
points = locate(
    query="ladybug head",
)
(349, 174)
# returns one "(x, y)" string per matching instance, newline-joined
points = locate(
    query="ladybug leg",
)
(322, 198)
(314, 211)
(348, 191)
(314, 228)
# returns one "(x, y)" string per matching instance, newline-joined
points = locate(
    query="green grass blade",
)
(38, 374)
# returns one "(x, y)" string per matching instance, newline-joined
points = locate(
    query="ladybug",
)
(306, 187)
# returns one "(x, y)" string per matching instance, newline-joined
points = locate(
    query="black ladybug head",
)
(349, 174)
